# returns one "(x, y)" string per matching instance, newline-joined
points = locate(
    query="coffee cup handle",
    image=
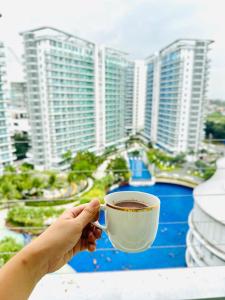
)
(97, 224)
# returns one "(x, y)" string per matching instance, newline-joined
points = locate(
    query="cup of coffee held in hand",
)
(131, 220)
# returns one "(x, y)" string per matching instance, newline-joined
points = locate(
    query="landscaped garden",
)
(27, 183)
(163, 161)
(34, 219)
(202, 169)
(28, 217)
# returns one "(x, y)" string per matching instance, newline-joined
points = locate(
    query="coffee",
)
(131, 204)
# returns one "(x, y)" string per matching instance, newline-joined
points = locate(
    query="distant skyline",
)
(140, 27)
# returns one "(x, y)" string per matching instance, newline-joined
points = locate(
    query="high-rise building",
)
(76, 94)
(176, 95)
(129, 97)
(6, 155)
(60, 75)
(18, 108)
(18, 95)
(112, 97)
(152, 98)
(139, 92)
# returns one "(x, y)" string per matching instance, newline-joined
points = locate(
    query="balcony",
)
(167, 284)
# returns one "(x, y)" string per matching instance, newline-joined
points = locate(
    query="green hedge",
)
(31, 217)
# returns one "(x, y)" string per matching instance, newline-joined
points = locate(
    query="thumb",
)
(89, 212)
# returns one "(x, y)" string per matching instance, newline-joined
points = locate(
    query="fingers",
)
(88, 214)
(73, 212)
(97, 232)
(89, 237)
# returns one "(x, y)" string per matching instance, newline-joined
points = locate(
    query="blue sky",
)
(139, 27)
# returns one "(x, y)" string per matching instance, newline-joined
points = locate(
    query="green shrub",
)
(31, 217)
(8, 244)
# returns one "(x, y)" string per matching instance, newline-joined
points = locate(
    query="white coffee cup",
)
(131, 229)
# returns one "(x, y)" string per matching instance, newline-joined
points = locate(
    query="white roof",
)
(210, 195)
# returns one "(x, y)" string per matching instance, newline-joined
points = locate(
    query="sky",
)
(139, 27)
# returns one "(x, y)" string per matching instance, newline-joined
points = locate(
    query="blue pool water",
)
(169, 247)
(139, 170)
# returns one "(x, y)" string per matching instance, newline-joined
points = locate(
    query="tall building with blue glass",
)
(6, 155)
(177, 79)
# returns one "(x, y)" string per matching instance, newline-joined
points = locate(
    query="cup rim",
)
(148, 208)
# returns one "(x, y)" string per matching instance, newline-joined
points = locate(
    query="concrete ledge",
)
(164, 284)
(176, 181)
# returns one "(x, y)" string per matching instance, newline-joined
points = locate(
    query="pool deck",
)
(167, 284)
(176, 181)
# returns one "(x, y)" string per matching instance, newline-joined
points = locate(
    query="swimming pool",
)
(168, 250)
(139, 170)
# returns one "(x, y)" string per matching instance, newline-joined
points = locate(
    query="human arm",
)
(69, 234)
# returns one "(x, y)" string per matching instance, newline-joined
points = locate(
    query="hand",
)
(69, 234)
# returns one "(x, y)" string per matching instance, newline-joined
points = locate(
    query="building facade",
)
(6, 154)
(60, 74)
(177, 79)
(129, 97)
(111, 97)
(206, 235)
(152, 98)
(18, 95)
(139, 94)
(77, 95)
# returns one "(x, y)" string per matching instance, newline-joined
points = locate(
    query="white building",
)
(152, 98)
(60, 74)
(139, 94)
(129, 96)
(76, 95)
(18, 108)
(6, 155)
(18, 121)
(206, 236)
(113, 96)
(177, 79)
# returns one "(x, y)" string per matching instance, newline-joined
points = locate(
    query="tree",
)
(21, 142)
(8, 191)
(85, 163)
(52, 180)
(119, 169)
(9, 169)
(178, 159)
(67, 156)
(26, 167)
